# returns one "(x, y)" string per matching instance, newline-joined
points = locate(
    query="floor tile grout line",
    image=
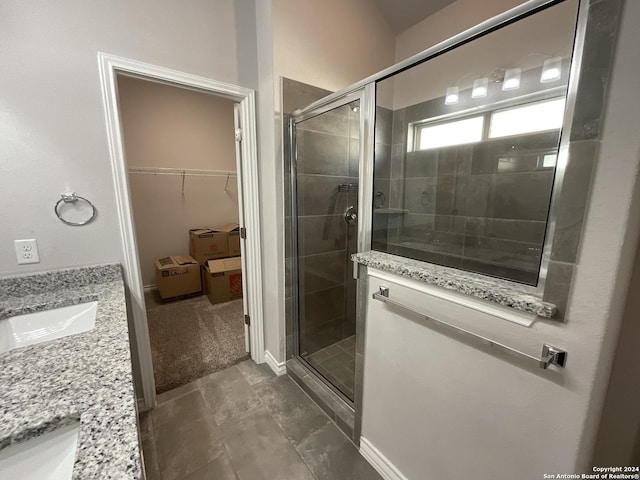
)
(327, 415)
(226, 449)
(282, 428)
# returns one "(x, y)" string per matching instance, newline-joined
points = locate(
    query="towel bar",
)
(550, 355)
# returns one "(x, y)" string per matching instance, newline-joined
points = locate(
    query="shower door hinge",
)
(243, 232)
(356, 269)
(247, 320)
(238, 134)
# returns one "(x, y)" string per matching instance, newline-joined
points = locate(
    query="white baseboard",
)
(148, 288)
(378, 461)
(279, 368)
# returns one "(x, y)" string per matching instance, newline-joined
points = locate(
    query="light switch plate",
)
(26, 251)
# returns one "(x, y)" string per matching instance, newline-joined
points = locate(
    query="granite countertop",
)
(493, 290)
(83, 378)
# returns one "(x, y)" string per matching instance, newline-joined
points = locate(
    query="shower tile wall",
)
(327, 157)
(384, 159)
(480, 207)
(295, 95)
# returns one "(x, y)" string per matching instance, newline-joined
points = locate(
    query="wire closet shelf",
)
(184, 172)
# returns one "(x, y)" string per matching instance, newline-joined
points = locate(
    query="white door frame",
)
(110, 66)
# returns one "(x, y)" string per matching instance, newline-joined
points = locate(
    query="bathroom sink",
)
(32, 328)
(46, 457)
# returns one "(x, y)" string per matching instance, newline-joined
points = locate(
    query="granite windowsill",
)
(494, 290)
(83, 378)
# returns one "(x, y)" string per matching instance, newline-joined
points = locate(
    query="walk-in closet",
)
(180, 149)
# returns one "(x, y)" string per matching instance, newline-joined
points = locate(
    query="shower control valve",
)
(350, 216)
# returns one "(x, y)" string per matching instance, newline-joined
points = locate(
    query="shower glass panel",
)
(325, 198)
(471, 145)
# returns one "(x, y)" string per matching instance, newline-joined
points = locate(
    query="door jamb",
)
(110, 66)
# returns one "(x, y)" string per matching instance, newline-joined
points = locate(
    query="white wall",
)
(271, 192)
(170, 127)
(447, 394)
(521, 45)
(617, 442)
(52, 127)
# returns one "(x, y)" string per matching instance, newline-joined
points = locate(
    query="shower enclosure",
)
(470, 150)
(327, 143)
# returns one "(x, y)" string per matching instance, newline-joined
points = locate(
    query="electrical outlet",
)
(26, 251)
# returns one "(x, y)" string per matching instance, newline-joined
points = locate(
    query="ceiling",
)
(402, 14)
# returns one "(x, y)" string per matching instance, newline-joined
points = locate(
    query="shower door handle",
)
(350, 216)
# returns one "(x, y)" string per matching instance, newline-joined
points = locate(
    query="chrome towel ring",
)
(72, 198)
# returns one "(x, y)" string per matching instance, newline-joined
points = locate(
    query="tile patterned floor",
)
(337, 363)
(244, 423)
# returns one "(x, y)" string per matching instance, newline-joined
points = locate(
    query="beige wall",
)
(330, 44)
(170, 127)
(453, 19)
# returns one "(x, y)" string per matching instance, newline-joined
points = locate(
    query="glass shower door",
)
(325, 226)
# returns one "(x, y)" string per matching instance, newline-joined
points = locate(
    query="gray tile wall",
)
(327, 156)
(295, 95)
(480, 207)
(327, 153)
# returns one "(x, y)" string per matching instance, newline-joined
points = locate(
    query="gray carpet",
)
(192, 338)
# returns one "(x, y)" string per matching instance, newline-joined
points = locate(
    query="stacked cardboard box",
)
(217, 250)
(223, 279)
(177, 276)
(210, 250)
(214, 243)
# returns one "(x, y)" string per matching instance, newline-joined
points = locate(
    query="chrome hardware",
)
(348, 187)
(550, 355)
(243, 233)
(356, 270)
(72, 198)
(350, 216)
(379, 200)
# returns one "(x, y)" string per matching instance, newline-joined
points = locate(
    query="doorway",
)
(180, 151)
(112, 68)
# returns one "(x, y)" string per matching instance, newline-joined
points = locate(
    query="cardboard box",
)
(223, 279)
(233, 236)
(208, 244)
(177, 276)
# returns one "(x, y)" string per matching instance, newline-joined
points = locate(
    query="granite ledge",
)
(490, 289)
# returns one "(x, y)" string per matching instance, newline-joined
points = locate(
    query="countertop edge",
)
(489, 289)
